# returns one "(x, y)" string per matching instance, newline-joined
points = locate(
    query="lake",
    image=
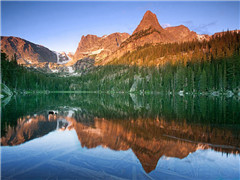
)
(117, 136)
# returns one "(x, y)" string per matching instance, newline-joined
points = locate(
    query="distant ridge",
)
(100, 49)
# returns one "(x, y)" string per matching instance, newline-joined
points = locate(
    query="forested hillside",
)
(20, 79)
(193, 67)
(221, 45)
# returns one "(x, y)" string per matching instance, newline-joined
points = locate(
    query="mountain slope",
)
(149, 31)
(180, 33)
(101, 47)
(30, 54)
(26, 52)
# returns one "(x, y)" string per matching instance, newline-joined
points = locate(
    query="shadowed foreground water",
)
(120, 137)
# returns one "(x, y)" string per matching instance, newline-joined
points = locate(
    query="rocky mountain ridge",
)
(100, 49)
(26, 52)
(149, 31)
(33, 55)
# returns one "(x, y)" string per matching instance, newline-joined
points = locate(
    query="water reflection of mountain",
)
(28, 127)
(152, 126)
(149, 138)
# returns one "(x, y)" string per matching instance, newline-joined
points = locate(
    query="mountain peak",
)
(149, 13)
(149, 20)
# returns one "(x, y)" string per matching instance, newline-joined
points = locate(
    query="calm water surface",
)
(84, 136)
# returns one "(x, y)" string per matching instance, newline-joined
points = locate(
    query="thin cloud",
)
(166, 25)
(202, 28)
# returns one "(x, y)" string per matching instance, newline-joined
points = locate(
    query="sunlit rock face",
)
(99, 47)
(26, 52)
(149, 31)
(181, 34)
(149, 20)
(149, 138)
(35, 56)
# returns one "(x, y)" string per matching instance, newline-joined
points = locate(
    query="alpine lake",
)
(120, 136)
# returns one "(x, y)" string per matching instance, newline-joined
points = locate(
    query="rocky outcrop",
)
(84, 65)
(180, 33)
(149, 20)
(99, 47)
(150, 31)
(26, 52)
(63, 57)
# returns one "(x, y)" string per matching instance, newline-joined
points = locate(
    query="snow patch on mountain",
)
(54, 70)
(28, 61)
(69, 59)
(200, 37)
(93, 52)
(57, 54)
(70, 69)
(62, 57)
(97, 51)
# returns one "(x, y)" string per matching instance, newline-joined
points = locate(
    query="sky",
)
(60, 25)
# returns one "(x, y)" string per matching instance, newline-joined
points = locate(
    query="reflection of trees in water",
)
(84, 117)
(202, 109)
(198, 113)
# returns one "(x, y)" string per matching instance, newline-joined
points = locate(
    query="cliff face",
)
(101, 47)
(149, 25)
(149, 20)
(180, 33)
(26, 52)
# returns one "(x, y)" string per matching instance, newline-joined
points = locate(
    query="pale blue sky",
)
(60, 25)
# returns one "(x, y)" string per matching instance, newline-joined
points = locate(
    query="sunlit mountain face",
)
(145, 128)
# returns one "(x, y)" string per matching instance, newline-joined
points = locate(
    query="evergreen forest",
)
(190, 67)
